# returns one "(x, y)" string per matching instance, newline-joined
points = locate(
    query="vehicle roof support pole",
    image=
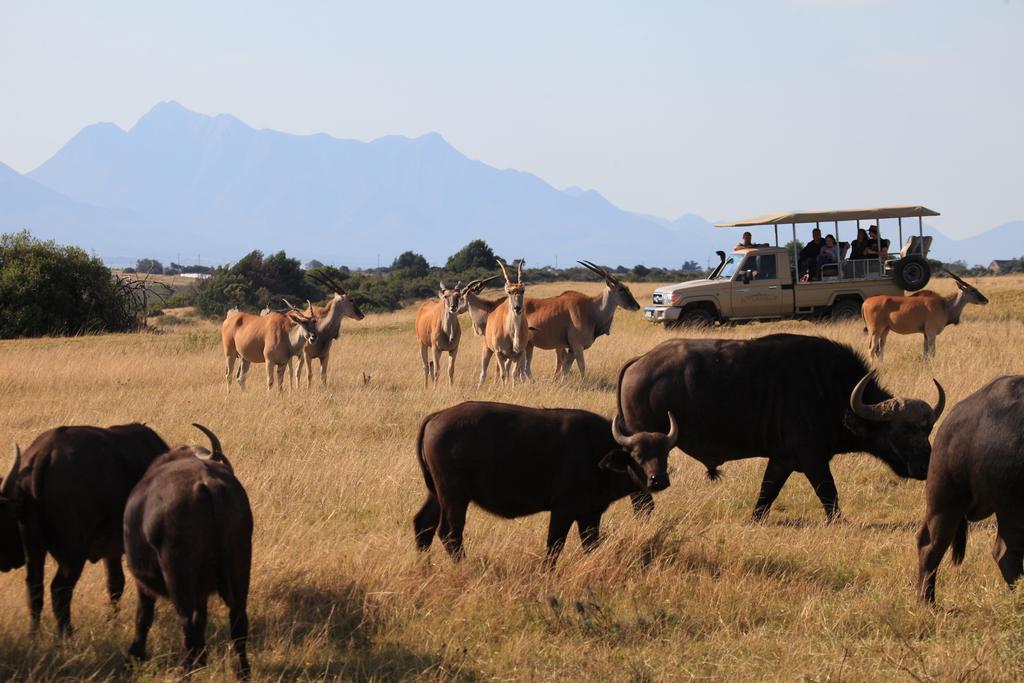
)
(900, 219)
(796, 256)
(776, 234)
(920, 233)
(839, 245)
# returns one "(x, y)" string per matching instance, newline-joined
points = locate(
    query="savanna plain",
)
(694, 592)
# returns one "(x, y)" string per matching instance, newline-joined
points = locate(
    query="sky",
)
(722, 108)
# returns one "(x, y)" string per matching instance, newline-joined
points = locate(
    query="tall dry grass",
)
(696, 591)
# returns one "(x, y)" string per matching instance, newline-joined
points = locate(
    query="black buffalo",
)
(794, 399)
(977, 470)
(515, 461)
(65, 496)
(188, 534)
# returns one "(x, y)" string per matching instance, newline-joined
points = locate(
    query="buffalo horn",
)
(941, 404)
(673, 431)
(12, 477)
(868, 412)
(620, 438)
(214, 441)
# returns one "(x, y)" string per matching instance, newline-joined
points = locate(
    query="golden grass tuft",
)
(696, 591)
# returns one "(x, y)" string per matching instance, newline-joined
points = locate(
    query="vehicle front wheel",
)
(695, 318)
(847, 309)
(912, 273)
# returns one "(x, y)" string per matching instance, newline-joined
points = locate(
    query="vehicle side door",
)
(757, 287)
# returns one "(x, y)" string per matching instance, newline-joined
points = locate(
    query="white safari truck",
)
(763, 282)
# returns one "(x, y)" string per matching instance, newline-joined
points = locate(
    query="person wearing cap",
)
(876, 247)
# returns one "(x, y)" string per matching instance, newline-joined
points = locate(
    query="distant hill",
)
(315, 196)
(183, 182)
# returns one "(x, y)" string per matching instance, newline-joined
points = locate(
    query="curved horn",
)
(953, 275)
(673, 431)
(941, 404)
(519, 274)
(458, 285)
(503, 271)
(12, 477)
(214, 441)
(309, 306)
(861, 409)
(441, 283)
(620, 438)
(288, 304)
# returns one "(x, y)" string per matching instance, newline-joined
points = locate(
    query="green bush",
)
(48, 289)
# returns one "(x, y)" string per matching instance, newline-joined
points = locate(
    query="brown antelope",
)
(328, 329)
(274, 339)
(506, 332)
(438, 328)
(570, 322)
(925, 312)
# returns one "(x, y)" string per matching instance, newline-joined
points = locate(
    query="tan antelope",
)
(438, 328)
(570, 322)
(274, 339)
(926, 312)
(328, 329)
(506, 333)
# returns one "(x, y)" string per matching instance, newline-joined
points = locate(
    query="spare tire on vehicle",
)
(912, 273)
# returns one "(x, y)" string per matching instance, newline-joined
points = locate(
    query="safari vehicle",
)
(763, 282)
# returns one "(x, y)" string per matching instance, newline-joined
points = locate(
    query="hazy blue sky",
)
(721, 108)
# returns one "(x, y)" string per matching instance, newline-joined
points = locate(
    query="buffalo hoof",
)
(137, 651)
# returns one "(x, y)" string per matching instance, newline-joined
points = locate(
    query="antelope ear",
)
(616, 460)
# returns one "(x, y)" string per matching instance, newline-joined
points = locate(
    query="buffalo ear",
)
(616, 460)
(853, 424)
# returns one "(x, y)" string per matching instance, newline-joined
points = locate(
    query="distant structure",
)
(1000, 266)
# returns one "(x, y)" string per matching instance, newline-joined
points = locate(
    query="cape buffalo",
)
(794, 399)
(515, 461)
(187, 534)
(977, 470)
(65, 496)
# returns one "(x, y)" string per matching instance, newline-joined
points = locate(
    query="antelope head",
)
(452, 299)
(306, 320)
(474, 287)
(342, 298)
(618, 292)
(515, 291)
(971, 293)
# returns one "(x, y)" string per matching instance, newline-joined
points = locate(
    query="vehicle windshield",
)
(730, 267)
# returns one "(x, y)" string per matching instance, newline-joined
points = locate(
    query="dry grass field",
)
(695, 592)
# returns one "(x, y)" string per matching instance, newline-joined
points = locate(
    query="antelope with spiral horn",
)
(328, 329)
(438, 328)
(274, 339)
(506, 333)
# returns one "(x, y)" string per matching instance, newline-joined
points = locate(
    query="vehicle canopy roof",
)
(832, 216)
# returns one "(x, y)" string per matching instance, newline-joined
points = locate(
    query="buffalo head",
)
(12, 553)
(644, 455)
(896, 429)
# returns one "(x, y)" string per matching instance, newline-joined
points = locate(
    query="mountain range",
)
(180, 182)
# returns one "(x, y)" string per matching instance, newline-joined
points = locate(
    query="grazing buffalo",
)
(187, 534)
(515, 461)
(793, 399)
(977, 470)
(65, 496)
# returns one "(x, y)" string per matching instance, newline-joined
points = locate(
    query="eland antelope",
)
(328, 329)
(570, 322)
(438, 328)
(506, 333)
(925, 312)
(274, 339)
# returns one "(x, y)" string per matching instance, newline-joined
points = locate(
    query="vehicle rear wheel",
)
(847, 309)
(912, 273)
(696, 318)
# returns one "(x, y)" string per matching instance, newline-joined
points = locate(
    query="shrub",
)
(46, 289)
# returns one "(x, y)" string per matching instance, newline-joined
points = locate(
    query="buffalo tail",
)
(960, 541)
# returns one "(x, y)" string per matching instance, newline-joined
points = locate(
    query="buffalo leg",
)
(115, 579)
(192, 617)
(239, 620)
(933, 540)
(143, 620)
(558, 529)
(775, 475)
(425, 522)
(1008, 551)
(589, 527)
(453, 524)
(643, 504)
(35, 562)
(824, 485)
(62, 587)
